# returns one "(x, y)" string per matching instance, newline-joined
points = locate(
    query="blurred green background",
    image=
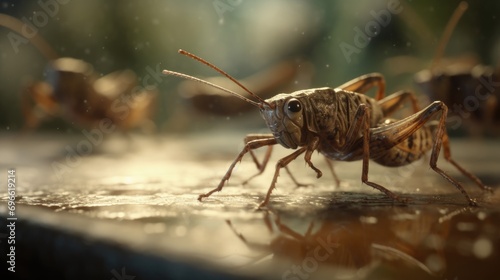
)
(240, 36)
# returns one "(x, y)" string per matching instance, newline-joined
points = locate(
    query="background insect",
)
(296, 73)
(471, 90)
(344, 124)
(78, 94)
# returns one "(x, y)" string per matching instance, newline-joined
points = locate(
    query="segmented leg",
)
(309, 149)
(265, 140)
(282, 228)
(250, 244)
(364, 83)
(297, 183)
(447, 156)
(37, 102)
(364, 119)
(332, 170)
(281, 163)
(330, 167)
(443, 140)
(440, 136)
(393, 102)
(352, 142)
(262, 166)
(392, 134)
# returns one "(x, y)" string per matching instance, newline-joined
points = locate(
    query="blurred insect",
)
(344, 124)
(78, 94)
(471, 91)
(265, 83)
(473, 95)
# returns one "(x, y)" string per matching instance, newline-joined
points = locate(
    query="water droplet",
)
(463, 226)
(180, 231)
(154, 228)
(481, 216)
(482, 248)
(368, 220)
(434, 241)
(435, 263)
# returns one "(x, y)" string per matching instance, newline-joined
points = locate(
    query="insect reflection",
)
(354, 244)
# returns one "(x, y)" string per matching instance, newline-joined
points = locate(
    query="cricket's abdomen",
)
(407, 151)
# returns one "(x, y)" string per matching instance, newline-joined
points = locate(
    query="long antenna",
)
(195, 57)
(37, 40)
(457, 14)
(181, 75)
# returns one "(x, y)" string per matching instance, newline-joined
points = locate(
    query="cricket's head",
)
(285, 118)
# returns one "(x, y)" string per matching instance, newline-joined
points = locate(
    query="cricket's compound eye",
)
(294, 106)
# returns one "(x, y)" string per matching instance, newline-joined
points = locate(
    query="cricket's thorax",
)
(322, 112)
(335, 112)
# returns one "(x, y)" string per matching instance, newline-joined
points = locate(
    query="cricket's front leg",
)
(282, 163)
(261, 166)
(257, 142)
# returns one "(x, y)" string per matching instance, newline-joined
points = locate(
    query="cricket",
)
(77, 93)
(344, 124)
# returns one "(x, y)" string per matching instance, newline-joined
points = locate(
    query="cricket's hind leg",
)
(390, 135)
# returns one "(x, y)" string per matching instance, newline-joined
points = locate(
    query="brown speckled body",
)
(329, 113)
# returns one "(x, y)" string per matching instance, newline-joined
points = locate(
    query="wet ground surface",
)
(115, 215)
